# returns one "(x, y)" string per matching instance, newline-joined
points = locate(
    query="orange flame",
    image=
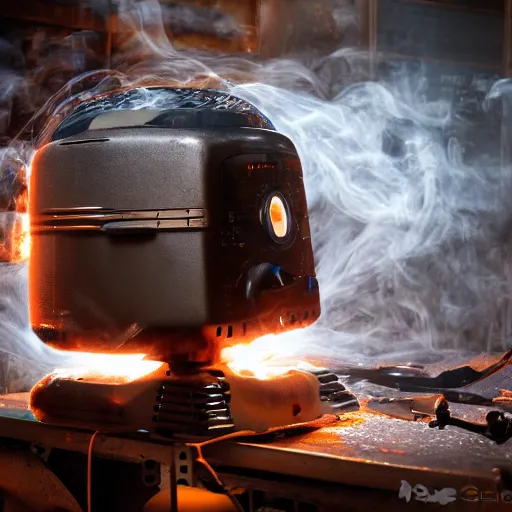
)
(259, 359)
(24, 242)
(108, 368)
(256, 360)
(20, 239)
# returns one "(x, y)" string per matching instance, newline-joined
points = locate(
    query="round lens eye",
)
(278, 217)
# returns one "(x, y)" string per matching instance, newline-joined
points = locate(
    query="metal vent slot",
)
(333, 391)
(193, 408)
(83, 141)
(118, 221)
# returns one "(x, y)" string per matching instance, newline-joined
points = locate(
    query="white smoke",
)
(412, 248)
(24, 358)
(412, 252)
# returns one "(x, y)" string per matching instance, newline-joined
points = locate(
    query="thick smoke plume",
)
(411, 240)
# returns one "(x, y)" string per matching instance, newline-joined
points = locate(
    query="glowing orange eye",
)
(278, 217)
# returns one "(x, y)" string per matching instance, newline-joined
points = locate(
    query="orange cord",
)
(89, 471)
(199, 459)
(323, 421)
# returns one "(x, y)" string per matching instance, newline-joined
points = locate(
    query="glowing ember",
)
(108, 368)
(278, 217)
(20, 239)
(24, 241)
(259, 359)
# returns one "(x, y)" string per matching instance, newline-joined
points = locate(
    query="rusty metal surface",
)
(363, 449)
(392, 441)
(376, 452)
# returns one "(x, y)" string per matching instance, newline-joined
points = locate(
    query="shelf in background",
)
(425, 29)
(491, 6)
(36, 11)
(383, 57)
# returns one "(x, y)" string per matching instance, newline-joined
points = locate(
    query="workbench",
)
(362, 460)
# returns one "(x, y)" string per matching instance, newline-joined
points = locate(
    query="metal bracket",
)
(183, 460)
(151, 473)
(498, 426)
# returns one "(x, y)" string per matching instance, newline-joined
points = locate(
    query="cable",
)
(244, 434)
(89, 460)
(89, 471)
(199, 458)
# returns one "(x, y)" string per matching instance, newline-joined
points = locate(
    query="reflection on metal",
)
(118, 222)
(25, 476)
(191, 499)
(411, 409)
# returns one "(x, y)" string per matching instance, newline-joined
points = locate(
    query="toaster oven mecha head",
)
(172, 229)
